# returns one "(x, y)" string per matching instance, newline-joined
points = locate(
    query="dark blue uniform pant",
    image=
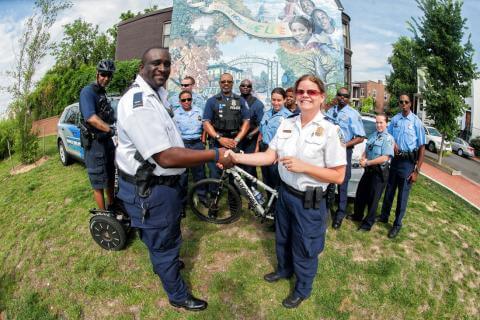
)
(343, 188)
(198, 174)
(299, 239)
(215, 172)
(160, 231)
(400, 170)
(271, 176)
(368, 194)
(100, 163)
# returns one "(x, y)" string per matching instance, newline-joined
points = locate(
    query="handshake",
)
(226, 158)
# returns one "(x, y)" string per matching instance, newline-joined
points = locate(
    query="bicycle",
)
(223, 202)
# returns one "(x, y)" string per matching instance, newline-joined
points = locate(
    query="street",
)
(469, 168)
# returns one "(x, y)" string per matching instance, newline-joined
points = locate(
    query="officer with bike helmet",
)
(97, 117)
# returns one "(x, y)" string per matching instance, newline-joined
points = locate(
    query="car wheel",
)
(460, 152)
(431, 147)
(64, 157)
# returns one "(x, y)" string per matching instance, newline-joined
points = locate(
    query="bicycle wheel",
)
(221, 204)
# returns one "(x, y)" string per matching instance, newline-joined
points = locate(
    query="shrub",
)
(7, 137)
(476, 145)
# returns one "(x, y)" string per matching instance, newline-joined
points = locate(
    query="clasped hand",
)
(224, 161)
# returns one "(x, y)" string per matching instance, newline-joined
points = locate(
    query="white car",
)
(434, 139)
(462, 148)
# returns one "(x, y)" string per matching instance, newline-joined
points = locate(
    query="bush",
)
(475, 143)
(26, 142)
(7, 137)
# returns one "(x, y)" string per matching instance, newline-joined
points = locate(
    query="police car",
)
(68, 133)
(357, 171)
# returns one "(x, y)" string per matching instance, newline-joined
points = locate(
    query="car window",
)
(65, 115)
(369, 127)
(434, 132)
(71, 118)
(458, 141)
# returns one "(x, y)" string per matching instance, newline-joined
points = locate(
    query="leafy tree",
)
(450, 68)
(367, 104)
(403, 78)
(33, 46)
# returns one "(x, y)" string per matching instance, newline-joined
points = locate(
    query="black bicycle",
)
(223, 202)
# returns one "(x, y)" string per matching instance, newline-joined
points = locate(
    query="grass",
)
(50, 268)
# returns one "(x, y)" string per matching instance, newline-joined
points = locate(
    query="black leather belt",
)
(311, 198)
(191, 141)
(168, 181)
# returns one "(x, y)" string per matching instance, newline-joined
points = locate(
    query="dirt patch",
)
(22, 168)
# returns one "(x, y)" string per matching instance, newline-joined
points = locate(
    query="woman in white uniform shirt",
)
(311, 154)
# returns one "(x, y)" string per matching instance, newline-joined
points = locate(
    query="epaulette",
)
(329, 119)
(292, 116)
(137, 100)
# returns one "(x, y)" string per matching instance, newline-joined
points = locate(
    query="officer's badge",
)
(137, 100)
(319, 131)
(341, 137)
(234, 103)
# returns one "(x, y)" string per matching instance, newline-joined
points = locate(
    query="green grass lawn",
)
(51, 268)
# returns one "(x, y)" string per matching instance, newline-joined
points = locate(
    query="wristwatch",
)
(217, 137)
(237, 140)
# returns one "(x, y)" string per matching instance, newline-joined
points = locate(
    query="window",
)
(346, 40)
(362, 92)
(385, 97)
(71, 118)
(374, 94)
(166, 34)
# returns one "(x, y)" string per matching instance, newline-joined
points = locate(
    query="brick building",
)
(376, 90)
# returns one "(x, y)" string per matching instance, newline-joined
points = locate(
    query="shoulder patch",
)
(137, 100)
(341, 137)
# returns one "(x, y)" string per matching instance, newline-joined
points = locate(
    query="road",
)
(468, 167)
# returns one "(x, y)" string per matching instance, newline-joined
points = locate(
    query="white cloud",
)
(369, 61)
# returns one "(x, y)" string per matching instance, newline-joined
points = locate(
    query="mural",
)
(271, 42)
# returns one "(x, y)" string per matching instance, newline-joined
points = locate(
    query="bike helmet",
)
(106, 65)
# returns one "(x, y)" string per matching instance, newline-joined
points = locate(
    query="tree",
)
(403, 78)
(367, 104)
(450, 68)
(33, 46)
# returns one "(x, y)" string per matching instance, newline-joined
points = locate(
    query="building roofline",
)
(142, 16)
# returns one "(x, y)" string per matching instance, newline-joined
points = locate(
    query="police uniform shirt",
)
(89, 97)
(408, 131)
(144, 125)
(209, 113)
(197, 101)
(189, 123)
(349, 120)
(319, 143)
(271, 121)
(256, 113)
(379, 144)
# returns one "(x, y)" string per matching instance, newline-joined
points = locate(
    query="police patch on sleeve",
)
(137, 100)
(341, 137)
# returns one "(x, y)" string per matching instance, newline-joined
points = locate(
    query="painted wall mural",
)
(271, 42)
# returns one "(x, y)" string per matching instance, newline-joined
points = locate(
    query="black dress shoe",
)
(181, 265)
(364, 228)
(191, 304)
(394, 231)
(380, 219)
(292, 302)
(354, 218)
(337, 224)
(273, 276)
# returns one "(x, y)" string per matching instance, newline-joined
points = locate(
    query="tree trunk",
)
(440, 152)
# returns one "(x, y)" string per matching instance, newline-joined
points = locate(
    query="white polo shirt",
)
(144, 124)
(319, 143)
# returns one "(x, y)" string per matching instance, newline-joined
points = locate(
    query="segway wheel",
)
(108, 232)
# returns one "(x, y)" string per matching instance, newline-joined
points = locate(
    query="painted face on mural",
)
(321, 19)
(300, 32)
(307, 6)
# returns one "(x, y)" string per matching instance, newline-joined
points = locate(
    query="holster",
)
(144, 176)
(86, 138)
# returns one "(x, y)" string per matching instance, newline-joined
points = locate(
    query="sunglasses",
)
(226, 81)
(345, 95)
(309, 92)
(186, 99)
(106, 74)
(403, 102)
(185, 84)
(246, 85)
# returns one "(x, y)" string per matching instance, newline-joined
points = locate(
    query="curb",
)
(442, 167)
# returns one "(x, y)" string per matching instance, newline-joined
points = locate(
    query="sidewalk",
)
(464, 188)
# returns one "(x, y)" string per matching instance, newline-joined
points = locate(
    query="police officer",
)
(290, 102)
(409, 134)
(311, 154)
(151, 157)
(226, 119)
(256, 108)
(187, 84)
(268, 128)
(189, 122)
(376, 161)
(352, 127)
(97, 133)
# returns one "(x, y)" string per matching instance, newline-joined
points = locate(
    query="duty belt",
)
(191, 141)
(409, 155)
(168, 181)
(312, 197)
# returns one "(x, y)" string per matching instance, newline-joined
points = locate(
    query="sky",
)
(374, 26)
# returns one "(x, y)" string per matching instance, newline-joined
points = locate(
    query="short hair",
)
(345, 88)
(190, 78)
(144, 55)
(183, 92)
(226, 73)
(289, 89)
(279, 91)
(313, 79)
(382, 114)
(301, 20)
(405, 94)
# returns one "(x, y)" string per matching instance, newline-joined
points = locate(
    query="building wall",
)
(474, 103)
(364, 89)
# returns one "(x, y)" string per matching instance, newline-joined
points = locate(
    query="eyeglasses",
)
(345, 95)
(403, 102)
(105, 74)
(186, 99)
(185, 84)
(246, 85)
(309, 92)
(226, 81)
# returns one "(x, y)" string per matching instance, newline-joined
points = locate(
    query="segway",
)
(110, 228)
